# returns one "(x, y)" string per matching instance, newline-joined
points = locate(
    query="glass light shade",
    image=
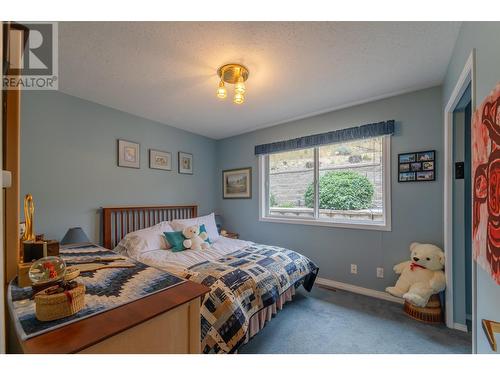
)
(238, 98)
(221, 91)
(239, 87)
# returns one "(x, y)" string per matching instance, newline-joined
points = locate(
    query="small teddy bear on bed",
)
(194, 239)
(421, 276)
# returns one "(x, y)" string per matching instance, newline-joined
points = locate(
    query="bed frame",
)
(118, 221)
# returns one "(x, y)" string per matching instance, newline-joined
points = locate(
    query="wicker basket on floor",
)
(431, 313)
(56, 306)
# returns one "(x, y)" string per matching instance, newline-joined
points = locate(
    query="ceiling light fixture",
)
(236, 75)
(221, 91)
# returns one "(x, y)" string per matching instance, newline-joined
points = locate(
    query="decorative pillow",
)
(175, 239)
(143, 240)
(208, 220)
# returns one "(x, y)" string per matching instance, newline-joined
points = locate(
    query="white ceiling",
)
(166, 71)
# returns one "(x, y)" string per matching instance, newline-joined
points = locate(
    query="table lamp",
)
(74, 235)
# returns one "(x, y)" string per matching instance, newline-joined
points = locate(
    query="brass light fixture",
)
(236, 75)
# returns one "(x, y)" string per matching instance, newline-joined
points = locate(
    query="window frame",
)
(316, 220)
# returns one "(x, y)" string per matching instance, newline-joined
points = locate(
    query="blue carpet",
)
(326, 321)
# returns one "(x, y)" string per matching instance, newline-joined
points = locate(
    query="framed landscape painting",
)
(129, 154)
(237, 183)
(160, 160)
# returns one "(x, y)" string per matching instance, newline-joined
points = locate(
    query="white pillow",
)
(152, 238)
(208, 220)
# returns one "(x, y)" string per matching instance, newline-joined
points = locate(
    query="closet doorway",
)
(462, 213)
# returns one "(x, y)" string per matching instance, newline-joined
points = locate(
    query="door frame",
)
(466, 77)
(3, 327)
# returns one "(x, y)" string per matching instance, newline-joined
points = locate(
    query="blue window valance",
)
(336, 136)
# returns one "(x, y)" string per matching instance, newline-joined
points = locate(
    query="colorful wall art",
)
(486, 185)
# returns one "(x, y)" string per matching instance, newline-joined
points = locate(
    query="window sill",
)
(325, 223)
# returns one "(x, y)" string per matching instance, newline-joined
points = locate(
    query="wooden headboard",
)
(118, 221)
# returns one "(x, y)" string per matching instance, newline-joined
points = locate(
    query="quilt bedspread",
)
(242, 283)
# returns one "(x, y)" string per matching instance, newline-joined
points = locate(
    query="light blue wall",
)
(417, 213)
(68, 163)
(483, 36)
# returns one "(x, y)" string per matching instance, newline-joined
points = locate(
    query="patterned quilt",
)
(105, 289)
(242, 283)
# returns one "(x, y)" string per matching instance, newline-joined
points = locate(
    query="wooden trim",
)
(118, 221)
(7, 26)
(83, 334)
(11, 107)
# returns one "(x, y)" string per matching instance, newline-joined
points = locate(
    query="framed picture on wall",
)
(185, 161)
(129, 154)
(22, 229)
(237, 183)
(160, 160)
(417, 166)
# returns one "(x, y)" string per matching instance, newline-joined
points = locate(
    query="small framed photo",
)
(416, 167)
(185, 163)
(160, 160)
(407, 158)
(404, 167)
(129, 154)
(407, 176)
(428, 166)
(425, 156)
(237, 183)
(425, 176)
(22, 229)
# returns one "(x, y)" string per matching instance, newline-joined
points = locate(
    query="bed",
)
(249, 282)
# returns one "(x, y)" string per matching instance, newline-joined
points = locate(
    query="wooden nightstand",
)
(232, 235)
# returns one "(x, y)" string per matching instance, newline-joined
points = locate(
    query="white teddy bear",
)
(422, 276)
(194, 239)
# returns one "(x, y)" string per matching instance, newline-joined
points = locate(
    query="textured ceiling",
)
(166, 71)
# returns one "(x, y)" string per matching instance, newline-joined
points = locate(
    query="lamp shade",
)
(74, 235)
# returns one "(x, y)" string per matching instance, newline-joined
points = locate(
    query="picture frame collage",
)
(129, 156)
(417, 166)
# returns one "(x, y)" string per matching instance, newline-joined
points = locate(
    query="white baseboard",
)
(358, 289)
(460, 327)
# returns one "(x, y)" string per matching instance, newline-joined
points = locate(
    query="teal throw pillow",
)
(175, 239)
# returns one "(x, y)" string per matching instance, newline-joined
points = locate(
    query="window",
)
(342, 184)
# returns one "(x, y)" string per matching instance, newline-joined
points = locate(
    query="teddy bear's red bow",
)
(415, 265)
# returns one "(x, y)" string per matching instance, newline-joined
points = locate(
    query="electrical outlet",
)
(380, 272)
(354, 268)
